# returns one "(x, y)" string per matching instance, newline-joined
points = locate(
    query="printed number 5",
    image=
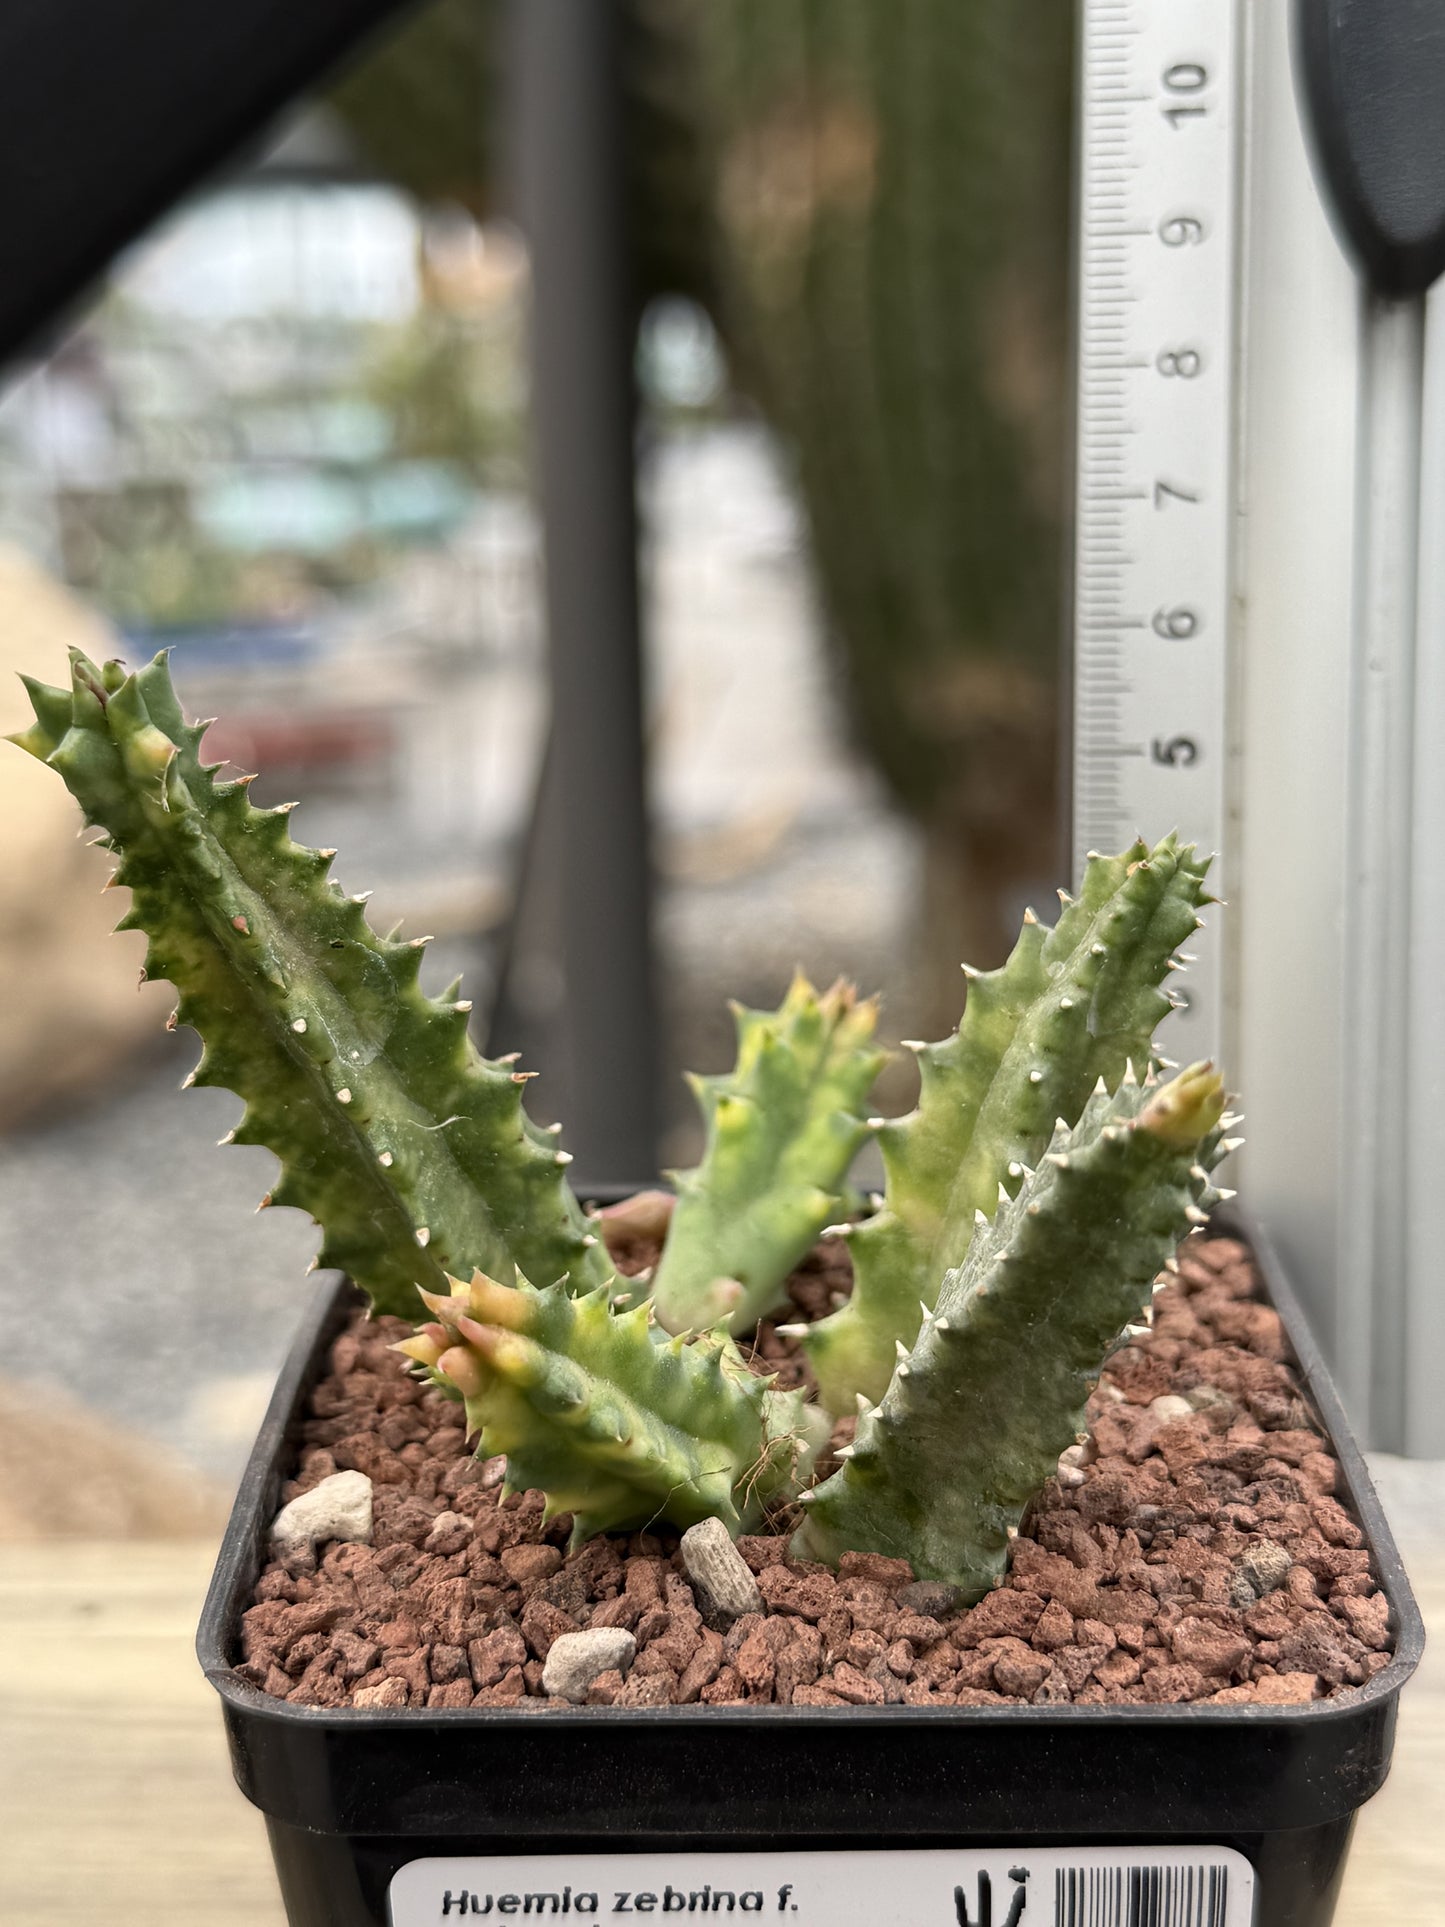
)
(1177, 752)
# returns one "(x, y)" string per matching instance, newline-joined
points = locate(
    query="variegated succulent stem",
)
(977, 1412)
(1073, 1003)
(411, 1151)
(782, 1129)
(614, 1424)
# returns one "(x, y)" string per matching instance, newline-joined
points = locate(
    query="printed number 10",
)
(1185, 77)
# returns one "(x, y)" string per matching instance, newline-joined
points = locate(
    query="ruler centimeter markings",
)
(1156, 281)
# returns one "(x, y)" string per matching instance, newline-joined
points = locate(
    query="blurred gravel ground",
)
(134, 1272)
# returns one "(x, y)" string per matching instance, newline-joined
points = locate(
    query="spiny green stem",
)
(977, 1412)
(1072, 1004)
(411, 1151)
(614, 1424)
(782, 1129)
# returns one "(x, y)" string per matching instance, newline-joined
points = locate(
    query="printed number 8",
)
(1176, 624)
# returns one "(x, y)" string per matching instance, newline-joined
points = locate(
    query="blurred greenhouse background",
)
(293, 437)
(290, 441)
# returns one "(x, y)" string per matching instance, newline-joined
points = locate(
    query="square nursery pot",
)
(893, 1816)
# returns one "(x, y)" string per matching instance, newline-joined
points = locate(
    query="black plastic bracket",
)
(110, 113)
(1371, 81)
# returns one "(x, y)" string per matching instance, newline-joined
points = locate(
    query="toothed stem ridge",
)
(978, 1411)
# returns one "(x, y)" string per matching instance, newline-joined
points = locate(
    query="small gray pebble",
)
(1259, 1571)
(930, 1598)
(1205, 1398)
(721, 1579)
(1054, 1691)
(568, 1590)
(576, 1659)
(878, 1671)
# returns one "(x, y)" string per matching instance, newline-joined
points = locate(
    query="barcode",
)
(1141, 1896)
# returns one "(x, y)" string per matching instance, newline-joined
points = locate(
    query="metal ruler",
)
(1157, 275)
(1261, 354)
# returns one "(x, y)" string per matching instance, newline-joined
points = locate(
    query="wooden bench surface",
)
(117, 1803)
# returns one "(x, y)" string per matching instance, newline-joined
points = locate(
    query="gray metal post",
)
(1337, 1035)
(569, 154)
(1379, 1039)
(1297, 585)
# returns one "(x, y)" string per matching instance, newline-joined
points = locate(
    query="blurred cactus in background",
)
(423, 109)
(891, 195)
(873, 202)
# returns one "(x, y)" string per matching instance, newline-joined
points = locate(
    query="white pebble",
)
(337, 1508)
(444, 1525)
(576, 1659)
(1170, 1406)
(1072, 1460)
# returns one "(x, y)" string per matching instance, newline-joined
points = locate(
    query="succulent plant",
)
(612, 1424)
(978, 1411)
(988, 1293)
(412, 1152)
(1072, 1004)
(782, 1131)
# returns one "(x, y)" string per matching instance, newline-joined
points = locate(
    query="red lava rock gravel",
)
(1199, 1556)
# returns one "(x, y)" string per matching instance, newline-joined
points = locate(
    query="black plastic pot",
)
(352, 1797)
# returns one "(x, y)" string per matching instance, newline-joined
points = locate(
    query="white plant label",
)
(969, 1887)
(1156, 279)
